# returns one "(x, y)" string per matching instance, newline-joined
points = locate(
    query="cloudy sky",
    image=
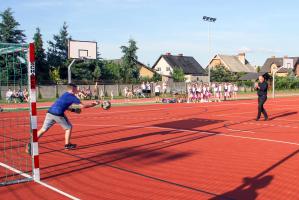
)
(260, 28)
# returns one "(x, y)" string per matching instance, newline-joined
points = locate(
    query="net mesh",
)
(14, 114)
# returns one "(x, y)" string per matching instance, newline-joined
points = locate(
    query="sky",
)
(259, 28)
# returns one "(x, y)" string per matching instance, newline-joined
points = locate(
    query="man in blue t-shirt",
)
(56, 115)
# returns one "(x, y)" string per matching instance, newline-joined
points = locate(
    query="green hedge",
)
(282, 83)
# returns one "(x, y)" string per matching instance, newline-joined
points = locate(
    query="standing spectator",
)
(96, 91)
(20, 95)
(231, 90)
(15, 96)
(139, 92)
(225, 91)
(164, 88)
(189, 94)
(193, 92)
(157, 92)
(102, 95)
(148, 89)
(126, 91)
(111, 94)
(26, 95)
(88, 93)
(198, 92)
(236, 89)
(220, 87)
(218, 92)
(213, 86)
(143, 88)
(8, 96)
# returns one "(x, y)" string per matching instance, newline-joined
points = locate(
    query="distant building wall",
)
(144, 72)
(163, 67)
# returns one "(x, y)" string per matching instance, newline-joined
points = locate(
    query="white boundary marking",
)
(39, 182)
(195, 131)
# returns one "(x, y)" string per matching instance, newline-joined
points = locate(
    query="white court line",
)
(207, 105)
(237, 130)
(194, 131)
(39, 182)
(169, 108)
(241, 113)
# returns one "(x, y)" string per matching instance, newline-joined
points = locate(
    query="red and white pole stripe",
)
(33, 112)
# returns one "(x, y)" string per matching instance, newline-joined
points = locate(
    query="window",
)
(159, 69)
(167, 69)
(289, 65)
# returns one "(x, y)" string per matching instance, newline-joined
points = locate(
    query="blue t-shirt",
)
(63, 103)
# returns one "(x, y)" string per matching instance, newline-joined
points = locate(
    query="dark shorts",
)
(157, 94)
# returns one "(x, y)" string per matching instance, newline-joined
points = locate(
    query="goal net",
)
(18, 121)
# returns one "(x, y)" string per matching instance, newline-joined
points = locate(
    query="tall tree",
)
(129, 67)
(110, 71)
(42, 67)
(9, 31)
(58, 51)
(96, 73)
(178, 74)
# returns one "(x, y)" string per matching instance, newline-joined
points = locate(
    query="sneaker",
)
(28, 148)
(70, 146)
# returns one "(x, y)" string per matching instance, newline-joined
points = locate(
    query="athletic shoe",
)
(28, 148)
(70, 146)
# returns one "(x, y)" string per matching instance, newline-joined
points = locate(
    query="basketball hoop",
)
(80, 50)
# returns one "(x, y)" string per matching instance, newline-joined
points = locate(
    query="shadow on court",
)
(148, 153)
(283, 115)
(251, 185)
(188, 124)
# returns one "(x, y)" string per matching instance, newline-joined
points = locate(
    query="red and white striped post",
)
(33, 112)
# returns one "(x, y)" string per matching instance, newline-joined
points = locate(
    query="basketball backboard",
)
(82, 49)
(288, 63)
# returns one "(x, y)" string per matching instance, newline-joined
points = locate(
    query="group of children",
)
(199, 92)
(84, 93)
(16, 96)
(146, 89)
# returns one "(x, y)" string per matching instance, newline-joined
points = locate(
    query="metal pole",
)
(69, 73)
(273, 85)
(209, 52)
(209, 20)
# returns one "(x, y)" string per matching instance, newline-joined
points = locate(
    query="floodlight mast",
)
(210, 20)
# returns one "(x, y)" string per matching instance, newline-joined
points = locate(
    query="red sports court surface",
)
(172, 151)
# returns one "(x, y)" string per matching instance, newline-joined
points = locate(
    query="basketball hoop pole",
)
(69, 72)
(273, 83)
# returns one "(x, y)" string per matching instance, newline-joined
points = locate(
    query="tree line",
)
(51, 63)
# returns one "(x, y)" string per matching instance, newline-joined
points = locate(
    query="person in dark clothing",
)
(262, 88)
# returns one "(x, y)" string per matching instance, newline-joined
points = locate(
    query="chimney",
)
(241, 57)
(180, 54)
(272, 56)
(168, 54)
(286, 56)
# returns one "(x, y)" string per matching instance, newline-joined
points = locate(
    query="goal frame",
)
(31, 86)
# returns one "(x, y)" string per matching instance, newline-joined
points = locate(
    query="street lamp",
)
(210, 20)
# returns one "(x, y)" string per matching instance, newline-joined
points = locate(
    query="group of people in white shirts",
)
(145, 90)
(16, 96)
(199, 92)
